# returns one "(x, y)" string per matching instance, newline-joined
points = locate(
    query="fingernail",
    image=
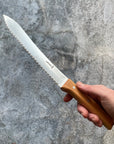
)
(80, 84)
(100, 124)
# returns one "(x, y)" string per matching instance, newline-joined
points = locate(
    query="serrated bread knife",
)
(63, 82)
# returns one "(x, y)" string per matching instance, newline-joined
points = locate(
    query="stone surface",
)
(78, 37)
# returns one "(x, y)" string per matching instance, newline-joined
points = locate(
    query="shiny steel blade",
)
(35, 52)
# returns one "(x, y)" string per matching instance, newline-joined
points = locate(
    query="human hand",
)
(101, 94)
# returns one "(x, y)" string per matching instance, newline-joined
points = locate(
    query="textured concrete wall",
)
(78, 37)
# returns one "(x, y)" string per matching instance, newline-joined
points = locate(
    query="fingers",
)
(67, 98)
(83, 111)
(91, 117)
(95, 119)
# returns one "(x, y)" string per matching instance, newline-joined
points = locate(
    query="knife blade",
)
(66, 84)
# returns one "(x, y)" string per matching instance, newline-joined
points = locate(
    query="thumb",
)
(92, 90)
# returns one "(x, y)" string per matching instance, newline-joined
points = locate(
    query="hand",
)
(100, 93)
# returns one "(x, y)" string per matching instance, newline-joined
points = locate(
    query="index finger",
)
(67, 98)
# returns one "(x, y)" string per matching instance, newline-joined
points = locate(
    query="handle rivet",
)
(73, 87)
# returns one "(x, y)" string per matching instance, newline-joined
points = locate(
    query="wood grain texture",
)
(89, 103)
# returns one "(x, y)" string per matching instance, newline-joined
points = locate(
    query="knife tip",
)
(4, 16)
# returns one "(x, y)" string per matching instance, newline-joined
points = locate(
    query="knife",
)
(66, 84)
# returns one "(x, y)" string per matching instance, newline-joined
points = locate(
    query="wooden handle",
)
(88, 102)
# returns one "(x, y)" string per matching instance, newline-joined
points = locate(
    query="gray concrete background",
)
(78, 37)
